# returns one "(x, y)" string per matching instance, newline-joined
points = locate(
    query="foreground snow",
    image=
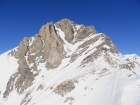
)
(116, 87)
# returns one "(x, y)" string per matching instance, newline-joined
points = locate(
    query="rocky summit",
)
(68, 64)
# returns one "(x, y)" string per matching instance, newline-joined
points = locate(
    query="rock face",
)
(67, 27)
(45, 44)
(53, 47)
(59, 58)
(64, 88)
(74, 31)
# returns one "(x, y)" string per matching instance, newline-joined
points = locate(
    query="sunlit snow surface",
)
(115, 88)
(93, 87)
(8, 66)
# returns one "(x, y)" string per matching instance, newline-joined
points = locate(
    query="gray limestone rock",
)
(64, 88)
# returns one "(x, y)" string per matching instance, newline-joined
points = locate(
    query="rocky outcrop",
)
(69, 99)
(67, 27)
(47, 46)
(64, 87)
(99, 49)
(53, 48)
(84, 32)
(72, 32)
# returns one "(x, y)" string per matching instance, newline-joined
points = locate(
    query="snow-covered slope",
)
(68, 64)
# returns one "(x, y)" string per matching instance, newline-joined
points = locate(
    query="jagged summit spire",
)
(66, 20)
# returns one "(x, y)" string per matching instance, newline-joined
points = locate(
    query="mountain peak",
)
(68, 62)
(65, 20)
